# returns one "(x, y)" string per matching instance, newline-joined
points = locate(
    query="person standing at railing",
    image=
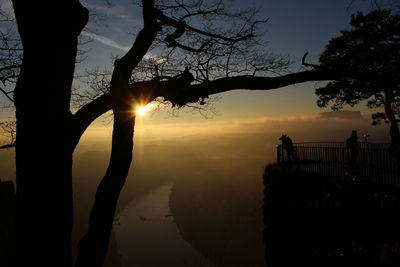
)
(287, 145)
(366, 140)
(352, 146)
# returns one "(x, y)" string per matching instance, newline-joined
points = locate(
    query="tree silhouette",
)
(218, 59)
(10, 54)
(372, 49)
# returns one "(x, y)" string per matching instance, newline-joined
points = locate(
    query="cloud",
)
(342, 115)
(106, 41)
(111, 43)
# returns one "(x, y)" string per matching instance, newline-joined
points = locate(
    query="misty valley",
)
(191, 209)
(201, 201)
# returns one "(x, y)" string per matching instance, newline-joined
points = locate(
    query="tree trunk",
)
(44, 150)
(92, 248)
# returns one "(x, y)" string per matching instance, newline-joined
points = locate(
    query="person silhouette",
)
(366, 139)
(352, 146)
(287, 145)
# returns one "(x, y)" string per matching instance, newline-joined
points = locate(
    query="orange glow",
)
(142, 110)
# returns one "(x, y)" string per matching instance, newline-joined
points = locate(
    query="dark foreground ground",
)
(329, 221)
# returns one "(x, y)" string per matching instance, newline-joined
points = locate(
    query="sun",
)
(142, 110)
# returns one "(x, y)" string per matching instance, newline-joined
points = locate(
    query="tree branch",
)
(121, 75)
(304, 63)
(179, 90)
(202, 12)
(179, 24)
(125, 65)
(88, 113)
(192, 93)
(7, 94)
(7, 146)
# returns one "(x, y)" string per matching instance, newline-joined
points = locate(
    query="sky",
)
(241, 138)
(293, 28)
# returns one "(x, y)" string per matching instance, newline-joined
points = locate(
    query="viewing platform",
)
(374, 161)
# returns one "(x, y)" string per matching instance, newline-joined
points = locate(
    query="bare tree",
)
(198, 58)
(10, 54)
(10, 64)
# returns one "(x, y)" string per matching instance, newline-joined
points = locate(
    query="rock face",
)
(312, 220)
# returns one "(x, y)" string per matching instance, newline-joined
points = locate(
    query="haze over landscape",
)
(194, 192)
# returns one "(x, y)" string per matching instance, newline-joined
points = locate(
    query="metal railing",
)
(374, 160)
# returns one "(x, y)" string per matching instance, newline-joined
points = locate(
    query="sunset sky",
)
(294, 27)
(217, 158)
